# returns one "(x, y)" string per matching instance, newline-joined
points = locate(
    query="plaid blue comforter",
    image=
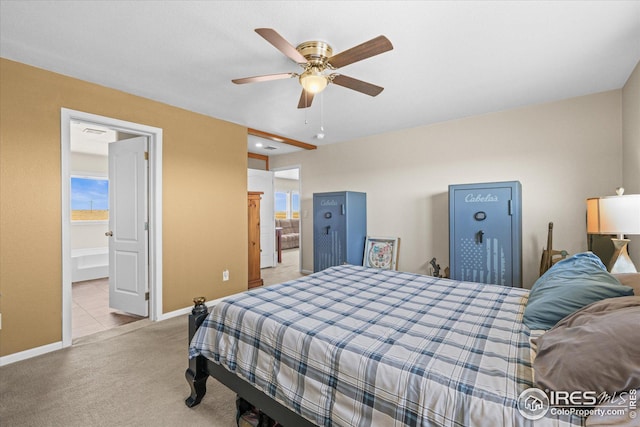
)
(353, 346)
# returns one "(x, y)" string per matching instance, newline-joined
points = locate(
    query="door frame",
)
(154, 135)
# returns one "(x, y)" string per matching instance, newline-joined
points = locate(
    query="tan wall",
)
(561, 152)
(204, 199)
(631, 147)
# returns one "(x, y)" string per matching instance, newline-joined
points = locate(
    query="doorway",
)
(83, 253)
(287, 190)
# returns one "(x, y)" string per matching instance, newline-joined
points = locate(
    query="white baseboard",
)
(28, 354)
(37, 351)
(307, 272)
(186, 310)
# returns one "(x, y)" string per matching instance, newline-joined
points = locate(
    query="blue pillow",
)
(568, 286)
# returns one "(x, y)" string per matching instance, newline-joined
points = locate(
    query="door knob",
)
(109, 233)
(479, 236)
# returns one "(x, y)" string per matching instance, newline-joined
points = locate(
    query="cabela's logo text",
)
(479, 198)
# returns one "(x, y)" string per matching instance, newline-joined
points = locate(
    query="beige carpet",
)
(288, 269)
(132, 375)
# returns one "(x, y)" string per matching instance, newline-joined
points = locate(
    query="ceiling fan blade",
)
(281, 44)
(264, 78)
(363, 51)
(357, 85)
(306, 98)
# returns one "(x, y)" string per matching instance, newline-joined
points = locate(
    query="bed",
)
(356, 346)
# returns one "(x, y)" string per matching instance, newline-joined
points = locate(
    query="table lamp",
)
(618, 215)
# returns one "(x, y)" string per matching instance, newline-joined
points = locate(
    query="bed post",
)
(196, 374)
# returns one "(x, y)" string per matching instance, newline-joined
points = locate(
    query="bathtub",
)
(89, 264)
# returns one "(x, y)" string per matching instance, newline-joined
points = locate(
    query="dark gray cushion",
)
(595, 349)
(630, 279)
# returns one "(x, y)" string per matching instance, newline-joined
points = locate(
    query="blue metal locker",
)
(339, 228)
(485, 233)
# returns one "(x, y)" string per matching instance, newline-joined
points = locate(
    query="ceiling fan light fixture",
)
(316, 57)
(313, 81)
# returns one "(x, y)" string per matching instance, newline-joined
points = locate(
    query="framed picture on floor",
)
(381, 252)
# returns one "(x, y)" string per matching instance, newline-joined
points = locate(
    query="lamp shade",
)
(313, 81)
(614, 215)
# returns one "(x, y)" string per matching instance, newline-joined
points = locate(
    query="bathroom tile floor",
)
(91, 312)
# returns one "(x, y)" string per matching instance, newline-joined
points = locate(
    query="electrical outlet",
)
(225, 275)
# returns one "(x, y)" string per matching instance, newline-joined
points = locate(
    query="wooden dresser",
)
(253, 203)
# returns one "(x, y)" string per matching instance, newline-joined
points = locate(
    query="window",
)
(281, 205)
(295, 205)
(89, 199)
(287, 204)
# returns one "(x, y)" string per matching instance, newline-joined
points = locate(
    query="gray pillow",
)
(594, 349)
(630, 279)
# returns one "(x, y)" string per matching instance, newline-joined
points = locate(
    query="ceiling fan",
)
(316, 57)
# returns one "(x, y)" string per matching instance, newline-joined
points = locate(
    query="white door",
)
(128, 255)
(259, 180)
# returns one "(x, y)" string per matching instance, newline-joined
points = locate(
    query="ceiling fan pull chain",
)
(306, 122)
(320, 135)
(322, 114)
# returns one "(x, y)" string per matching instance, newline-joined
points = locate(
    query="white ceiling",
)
(91, 139)
(288, 174)
(268, 147)
(450, 59)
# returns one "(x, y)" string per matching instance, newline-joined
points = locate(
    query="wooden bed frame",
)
(200, 368)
